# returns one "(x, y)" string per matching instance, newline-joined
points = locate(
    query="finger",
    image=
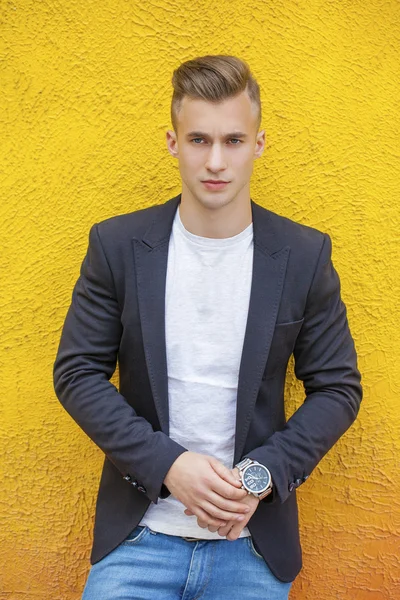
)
(235, 472)
(225, 473)
(217, 513)
(225, 529)
(234, 532)
(206, 518)
(203, 524)
(227, 505)
(212, 528)
(226, 490)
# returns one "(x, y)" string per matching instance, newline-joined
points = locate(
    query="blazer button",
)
(291, 487)
(129, 479)
(141, 488)
(298, 482)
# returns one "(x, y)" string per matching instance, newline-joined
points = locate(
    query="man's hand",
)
(232, 529)
(208, 489)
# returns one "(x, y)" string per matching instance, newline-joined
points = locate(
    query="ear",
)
(172, 143)
(260, 144)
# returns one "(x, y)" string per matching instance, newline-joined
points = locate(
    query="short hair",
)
(213, 78)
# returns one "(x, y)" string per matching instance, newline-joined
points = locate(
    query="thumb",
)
(225, 473)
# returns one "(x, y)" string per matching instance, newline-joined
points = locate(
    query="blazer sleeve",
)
(326, 362)
(85, 362)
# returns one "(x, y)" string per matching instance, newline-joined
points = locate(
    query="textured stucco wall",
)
(84, 105)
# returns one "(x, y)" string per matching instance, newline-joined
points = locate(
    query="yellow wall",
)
(84, 105)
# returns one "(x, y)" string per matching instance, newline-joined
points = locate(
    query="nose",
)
(215, 159)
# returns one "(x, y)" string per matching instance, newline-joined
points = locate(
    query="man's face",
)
(216, 143)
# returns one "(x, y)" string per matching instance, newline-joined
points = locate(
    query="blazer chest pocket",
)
(283, 341)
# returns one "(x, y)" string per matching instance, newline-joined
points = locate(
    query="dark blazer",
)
(117, 313)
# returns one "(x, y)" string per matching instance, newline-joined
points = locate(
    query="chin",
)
(214, 199)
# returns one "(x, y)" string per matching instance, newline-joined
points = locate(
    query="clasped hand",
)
(214, 495)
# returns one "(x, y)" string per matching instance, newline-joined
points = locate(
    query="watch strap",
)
(243, 463)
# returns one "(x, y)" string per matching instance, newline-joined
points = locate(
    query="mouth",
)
(216, 184)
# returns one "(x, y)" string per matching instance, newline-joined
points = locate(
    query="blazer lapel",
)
(151, 258)
(269, 267)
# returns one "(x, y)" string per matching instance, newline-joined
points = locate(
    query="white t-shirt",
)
(206, 306)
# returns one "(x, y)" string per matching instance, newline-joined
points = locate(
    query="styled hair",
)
(213, 78)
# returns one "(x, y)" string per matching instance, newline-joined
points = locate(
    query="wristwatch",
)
(256, 478)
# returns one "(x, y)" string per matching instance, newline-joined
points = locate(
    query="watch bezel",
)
(258, 492)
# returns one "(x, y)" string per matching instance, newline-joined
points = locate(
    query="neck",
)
(215, 222)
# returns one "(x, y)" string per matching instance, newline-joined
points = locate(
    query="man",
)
(202, 300)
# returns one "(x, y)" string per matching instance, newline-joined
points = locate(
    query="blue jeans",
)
(153, 566)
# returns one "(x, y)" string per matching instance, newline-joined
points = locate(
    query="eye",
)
(235, 140)
(196, 140)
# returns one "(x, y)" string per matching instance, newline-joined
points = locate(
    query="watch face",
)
(256, 478)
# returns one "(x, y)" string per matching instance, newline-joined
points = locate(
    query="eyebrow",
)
(237, 134)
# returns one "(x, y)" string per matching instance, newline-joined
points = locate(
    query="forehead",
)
(237, 113)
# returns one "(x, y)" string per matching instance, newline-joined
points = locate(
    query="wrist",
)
(170, 473)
